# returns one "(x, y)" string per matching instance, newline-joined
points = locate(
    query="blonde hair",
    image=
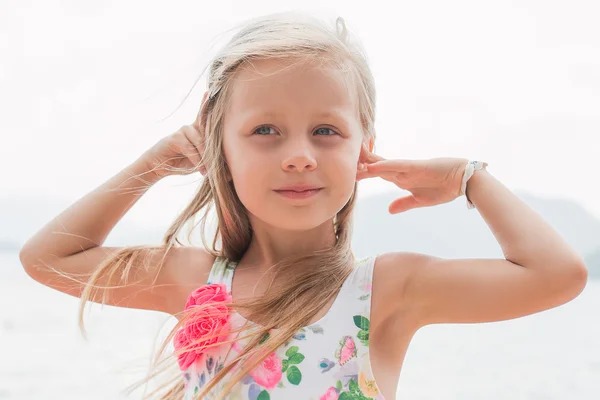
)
(312, 280)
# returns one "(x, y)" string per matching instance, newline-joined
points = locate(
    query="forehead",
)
(298, 85)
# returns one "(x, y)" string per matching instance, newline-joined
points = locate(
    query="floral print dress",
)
(326, 360)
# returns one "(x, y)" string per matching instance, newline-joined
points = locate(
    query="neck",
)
(270, 245)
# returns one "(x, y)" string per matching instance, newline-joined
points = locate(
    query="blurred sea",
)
(550, 355)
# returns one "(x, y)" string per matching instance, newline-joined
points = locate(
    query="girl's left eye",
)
(268, 127)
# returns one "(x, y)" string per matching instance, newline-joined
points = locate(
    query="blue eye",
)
(268, 127)
(331, 130)
(262, 127)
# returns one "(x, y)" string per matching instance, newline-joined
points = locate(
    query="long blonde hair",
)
(312, 280)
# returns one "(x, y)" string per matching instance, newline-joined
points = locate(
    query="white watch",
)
(472, 166)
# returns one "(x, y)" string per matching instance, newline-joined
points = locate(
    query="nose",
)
(301, 159)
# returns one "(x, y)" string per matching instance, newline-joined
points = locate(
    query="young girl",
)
(278, 307)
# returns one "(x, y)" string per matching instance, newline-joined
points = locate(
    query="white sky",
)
(84, 87)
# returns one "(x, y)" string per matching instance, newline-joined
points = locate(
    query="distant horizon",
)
(571, 219)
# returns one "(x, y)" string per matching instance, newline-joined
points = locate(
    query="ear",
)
(362, 158)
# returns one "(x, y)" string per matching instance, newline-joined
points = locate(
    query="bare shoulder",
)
(394, 320)
(186, 269)
(391, 276)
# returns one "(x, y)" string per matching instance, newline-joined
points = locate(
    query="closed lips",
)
(297, 188)
(297, 191)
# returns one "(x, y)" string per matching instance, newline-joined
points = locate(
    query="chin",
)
(294, 218)
(300, 221)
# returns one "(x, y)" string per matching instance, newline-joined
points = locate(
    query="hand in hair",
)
(431, 182)
(180, 153)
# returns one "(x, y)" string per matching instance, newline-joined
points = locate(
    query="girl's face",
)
(292, 126)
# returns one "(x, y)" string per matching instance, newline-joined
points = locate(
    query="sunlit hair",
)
(311, 280)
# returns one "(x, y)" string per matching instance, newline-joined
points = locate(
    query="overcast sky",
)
(87, 86)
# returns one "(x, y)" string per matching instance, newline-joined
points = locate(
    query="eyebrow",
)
(324, 114)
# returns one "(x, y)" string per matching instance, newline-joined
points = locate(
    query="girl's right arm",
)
(71, 243)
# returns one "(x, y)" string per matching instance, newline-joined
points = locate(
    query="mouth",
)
(299, 194)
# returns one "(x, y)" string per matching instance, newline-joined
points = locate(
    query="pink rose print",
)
(268, 373)
(216, 292)
(330, 394)
(208, 321)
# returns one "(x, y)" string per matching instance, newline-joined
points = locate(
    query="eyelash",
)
(267, 126)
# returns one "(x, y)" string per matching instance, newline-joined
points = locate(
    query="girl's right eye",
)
(262, 127)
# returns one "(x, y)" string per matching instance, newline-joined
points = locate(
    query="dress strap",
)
(362, 278)
(222, 272)
(368, 269)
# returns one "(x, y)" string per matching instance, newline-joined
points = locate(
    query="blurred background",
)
(86, 87)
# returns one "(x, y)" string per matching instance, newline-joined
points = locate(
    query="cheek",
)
(241, 163)
(347, 158)
(341, 169)
(341, 174)
(250, 177)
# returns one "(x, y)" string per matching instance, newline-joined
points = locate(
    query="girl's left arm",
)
(540, 270)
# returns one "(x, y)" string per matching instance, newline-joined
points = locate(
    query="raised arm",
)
(69, 249)
(540, 270)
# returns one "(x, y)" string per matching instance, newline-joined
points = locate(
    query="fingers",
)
(390, 176)
(194, 149)
(403, 204)
(366, 156)
(364, 174)
(391, 166)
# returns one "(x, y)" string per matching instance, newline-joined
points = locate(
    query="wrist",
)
(473, 183)
(472, 170)
(142, 168)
